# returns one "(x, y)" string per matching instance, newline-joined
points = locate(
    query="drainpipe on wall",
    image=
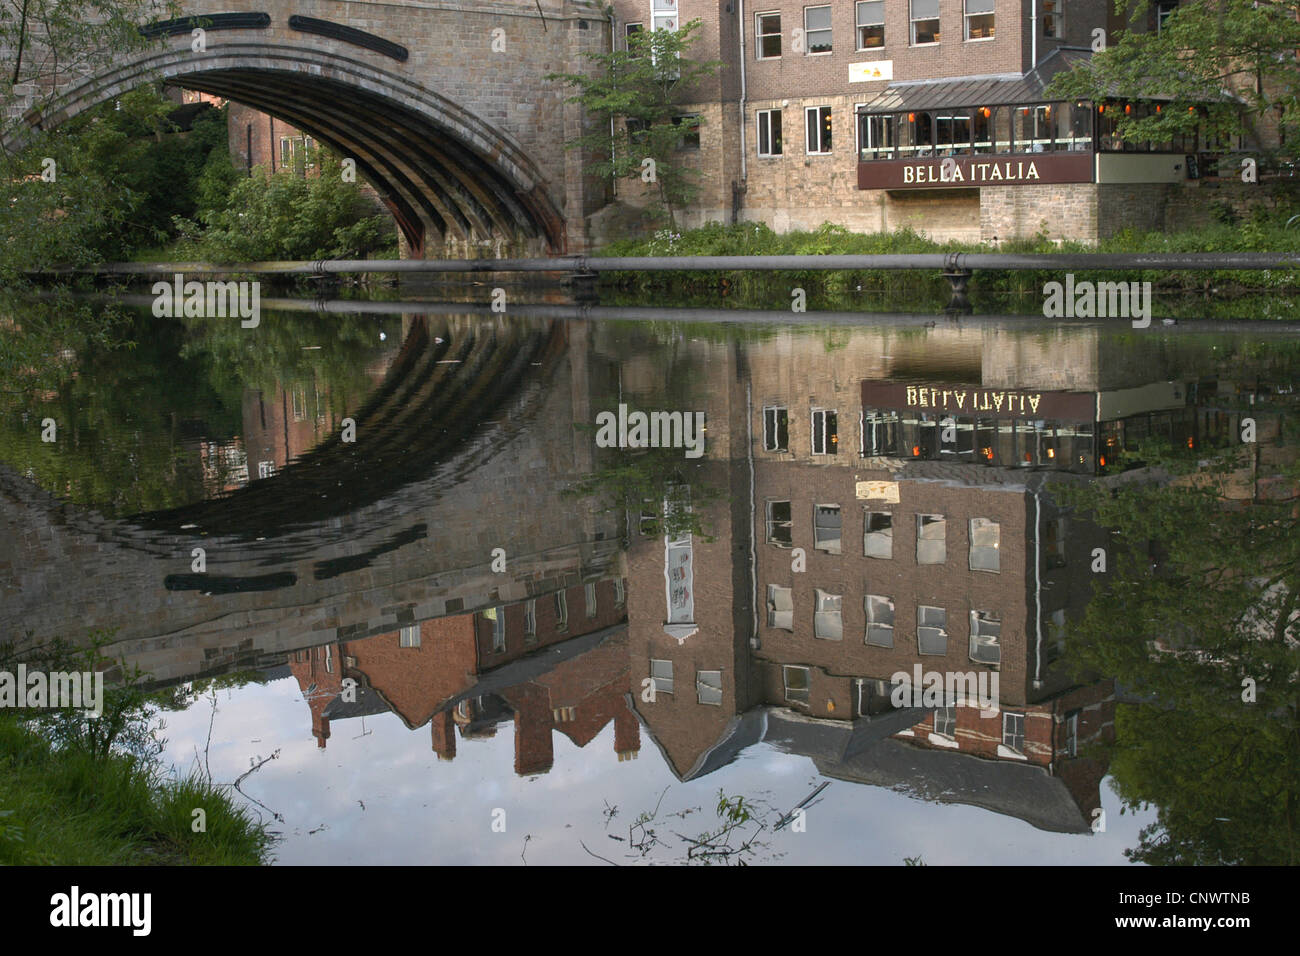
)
(1038, 593)
(744, 123)
(613, 157)
(1033, 35)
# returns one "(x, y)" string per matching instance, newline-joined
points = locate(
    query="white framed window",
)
(561, 611)
(878, 534)
(797, 682)
(767, 36)
(880, 620)
(329, 659)
(708, 685)
(780, 530)
(931, 539)
(589, 598)
(266, 469)
(663, 14)
(1164, 9)
(817, 120)
(780, 607)
(931, 630)
(1013, 731)
(978, 15)
(817, 29)
(924, 15)
(769, 133)
(409, 636)
(620, 592)
(286, 152)
(871, 24)
(1053, 19)
(828, 528)
(985, 538)
(1072, 734)
(985, 637)
(776, 419)
(828, 619)
(530, 620)
(661, 672)
(825, 431)
(945, 721)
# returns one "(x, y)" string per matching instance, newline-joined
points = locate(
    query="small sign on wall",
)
(885, 490)
(871, 71)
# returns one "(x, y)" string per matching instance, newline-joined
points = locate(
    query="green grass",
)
(69, 808)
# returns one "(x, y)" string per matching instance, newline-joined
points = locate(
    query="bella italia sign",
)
(975, 400)
(967, 171)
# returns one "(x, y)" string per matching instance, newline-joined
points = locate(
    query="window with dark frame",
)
(1013, 731)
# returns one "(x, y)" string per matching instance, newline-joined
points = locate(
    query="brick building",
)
(929, 114)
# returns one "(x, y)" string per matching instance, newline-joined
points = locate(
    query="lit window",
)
(878, 534)
(931, 540)
(828, 527)
(768, 32)
(979, 19)
(1013, 732)
(931, 630)
(985, 634)
(880, 620)
(985, 536)
(871, 24)
(825, 435)
(925, 21)
(776, 420)
(661, 672)
(779, 525)
(817, 28)
(1053, 18)
(817, 120)
(708, 685)
(828, 621)
(409, 636)
(796, 684)
(780, 607)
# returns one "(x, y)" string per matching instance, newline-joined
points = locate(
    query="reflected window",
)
(661, 672)
(708, 685)
(828, 526)
(1054, 542)
(1072, 734)
(879, 433)
(409, 636)
(497, 615)
(1013, 732)
(530, 620)
(985, 536)
(878, 534)
(985, 635)
(776, 429)
(828, 622)
(825, 434)
(779, 526)
(931, 630)
(880, 620)
(589, 598)
(561, 611)
(797, 684)
(931, 539)
(620, 592)
(945, 721)
(780, 607)
(1056, 635)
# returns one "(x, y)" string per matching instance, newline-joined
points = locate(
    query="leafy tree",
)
(1204, 48)
(633, 97)
(1198, 616)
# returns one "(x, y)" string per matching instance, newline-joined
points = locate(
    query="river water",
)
(418, 560)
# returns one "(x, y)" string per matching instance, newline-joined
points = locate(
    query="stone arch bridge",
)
(443, 104)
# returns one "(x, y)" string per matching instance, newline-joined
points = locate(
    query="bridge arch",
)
(447, 173)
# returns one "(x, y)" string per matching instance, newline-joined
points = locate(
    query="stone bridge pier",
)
(442, 104)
